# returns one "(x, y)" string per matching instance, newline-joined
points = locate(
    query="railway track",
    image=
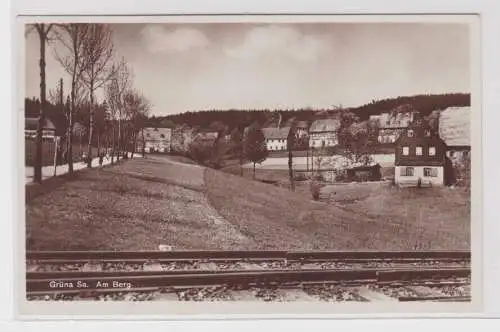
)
(271, 276)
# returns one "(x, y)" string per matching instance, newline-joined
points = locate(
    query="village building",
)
(420, 156)
(454, 130)
(324, 133)
(301, 129)
(31, 125)
(276, 138)
(155, 140)
(392, 124)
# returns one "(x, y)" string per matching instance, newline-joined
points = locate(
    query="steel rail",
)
(109, 274)
(435, 298)
(69, 257)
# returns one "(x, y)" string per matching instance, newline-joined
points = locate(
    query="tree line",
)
(241, 118)
(87, 55)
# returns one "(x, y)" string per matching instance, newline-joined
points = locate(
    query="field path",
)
(192, 176)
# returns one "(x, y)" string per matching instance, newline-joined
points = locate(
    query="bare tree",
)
(98, 51)
(116, 87)
(136, 108)
(43, 31)
(72, 37)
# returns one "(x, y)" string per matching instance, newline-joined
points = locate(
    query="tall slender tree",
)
(98, 53)
(43, 31)
(136, 108)
(118, 84)
(72, 37)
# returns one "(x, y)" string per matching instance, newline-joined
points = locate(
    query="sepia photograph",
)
(318, 161)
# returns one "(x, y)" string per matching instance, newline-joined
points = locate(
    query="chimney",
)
(279, 120)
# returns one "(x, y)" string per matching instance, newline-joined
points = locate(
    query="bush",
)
(199, 152)
(315, 190)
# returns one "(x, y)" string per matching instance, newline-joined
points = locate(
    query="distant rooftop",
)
(325, 125)
(276, 133)
(454, 126)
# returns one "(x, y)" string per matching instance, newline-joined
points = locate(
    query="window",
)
(406, 150)
(410, 133)
(147, 135)
(418, 151)
(162, 135)
(406, 171)
(430, 172)
(432, 151)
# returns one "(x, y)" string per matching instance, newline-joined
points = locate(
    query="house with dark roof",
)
(324, 133)
(454, 130)
(276, 138)
(31, 126)
(420, 156)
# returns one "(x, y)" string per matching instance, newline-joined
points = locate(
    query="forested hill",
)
(241, 118)
(425, 104)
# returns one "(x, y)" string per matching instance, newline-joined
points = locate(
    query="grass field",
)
(277, 218)
(142, 203)
(443, 213)
(136, 205)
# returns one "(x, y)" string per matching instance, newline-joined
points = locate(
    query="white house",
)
(324, 133)
(155, 140)
(276, 138)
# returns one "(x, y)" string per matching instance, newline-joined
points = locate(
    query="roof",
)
(301, 124)
(454, 126)
(32, 124)
(325, 125)
(276, 133)
(394, 119)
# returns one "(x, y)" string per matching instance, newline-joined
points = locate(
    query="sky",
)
(191, 67)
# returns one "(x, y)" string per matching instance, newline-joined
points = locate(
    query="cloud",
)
(279, 42)
(159, 39)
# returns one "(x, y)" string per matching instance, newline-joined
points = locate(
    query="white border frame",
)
(490, 73)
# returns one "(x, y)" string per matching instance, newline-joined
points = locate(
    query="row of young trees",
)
(87, 55)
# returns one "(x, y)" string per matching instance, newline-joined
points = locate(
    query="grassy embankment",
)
(140, 204)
